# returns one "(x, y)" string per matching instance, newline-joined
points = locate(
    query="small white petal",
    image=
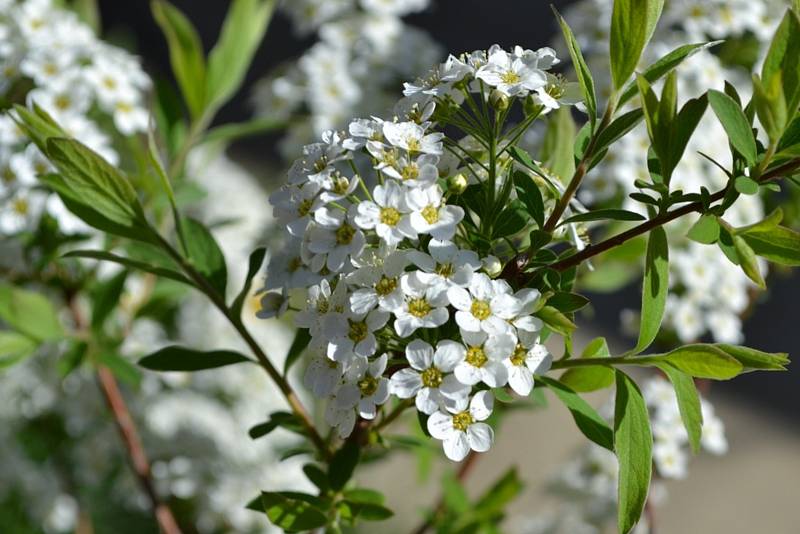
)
(440, 425)
(480, 437)
(456, 446)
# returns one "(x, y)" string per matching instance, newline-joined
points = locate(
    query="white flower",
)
(558, 92)
(358, 339)
(364, 387)
(509, 74)
(411, 137)
(527, 326)
(446, 264)
(525, 362)
(294, 207)
(424, 306)
(322, 376)
(461, 429)
(418, 172)
(487, 306)
(341, 419)
(431, 215)
(288, 270)
(388, 214)
(429, 378)
(334, 238)
(671, 461)
(323, 305)
(483, 357)
(379, 285)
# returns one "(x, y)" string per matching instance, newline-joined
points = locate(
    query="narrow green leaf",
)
(185, 54)
(746, 185)
(29, 313)
(528, 192)
(253, 266)
(499, 495)
(688, 404)
(286, 420)
(105, 297)
(736, 125)
(618, 128)
(15, 347)
(586, 418)
(703, 361)
(587, 379)
(127, 262)
(705, 230)
(664, 66)
(655, 288)
(230, 58)
(632, 25)
(748, 261)
(556, 320)
(511, 220)
(317, 476)
(755, 360)
(205, 255)
(567, 302)
(342, 465)
(368, 511)
(293, 512)
(779, 245)
(557, 147)
(633, 443)
(781, 61)
(581, 69)
(604, 215)
(681, 130)
(301, 340)
(175, 358)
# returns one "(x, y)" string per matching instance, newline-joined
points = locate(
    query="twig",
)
(462, 473)
(130, 436)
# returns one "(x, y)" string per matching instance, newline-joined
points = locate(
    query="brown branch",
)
(129, 434)
(463, 472)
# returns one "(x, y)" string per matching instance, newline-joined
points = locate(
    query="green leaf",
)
(605, 215)
(688, 403)
(779, 245)
(664, 66)
(511, 220)
(105, 297)
(618, 128)
(655, 288)
(557, 147)
(632, 25)
(342, 465)
(705, 230)
(96, 182)
(581, 69)
(499, 495)
(755, 360)
(567, 302)
(736, 125)
(633, 443)
(205, 255)
(770, 106)
(230, 58)
(175, 358)
(185, 54)
(15, 347)
(121, 367)
(681, 131)
(586, 379)
(301, 340)
(528, 192)
(37, 125)
(781, 63)
(746, 185)
(748, 261)
(556, 320)
(293, 512)
(253, 266)
(127, 262)
(286, 420)
(367, 511)
(29, 313)
(703, 361)
(586, 418)
(317, 476)
(227, 133)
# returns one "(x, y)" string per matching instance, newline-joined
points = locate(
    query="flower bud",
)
(273, 304)
(531, 105)
(457, 184)
(492, 266)
(498, 100)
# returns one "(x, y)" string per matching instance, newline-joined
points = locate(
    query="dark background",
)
(461, 25)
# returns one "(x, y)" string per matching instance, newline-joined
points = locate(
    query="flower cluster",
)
(692, 310)
(364, 49)
(395, 300)
(93, 90)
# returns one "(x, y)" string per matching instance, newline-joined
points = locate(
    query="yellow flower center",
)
(321, 164)
(21, 206)
(358, 331)
(294, 264)
(124, 107)
(385, 286)
(462, 420)
(519, 355)
(410, 172)
(9, 176)
(413, 144)
(431, 377)
(340, 184)
(430, 214)
(390, 216)
(323, 306)
(305, 207)
(476, 357)
(63, 102)
(344, 235)
(445, 270)
(109, 82)
(419, 307)
(480, 309)
(368, 385)
(510, 77)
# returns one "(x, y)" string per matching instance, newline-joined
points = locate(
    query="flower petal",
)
(480, 437)
(440, 425)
